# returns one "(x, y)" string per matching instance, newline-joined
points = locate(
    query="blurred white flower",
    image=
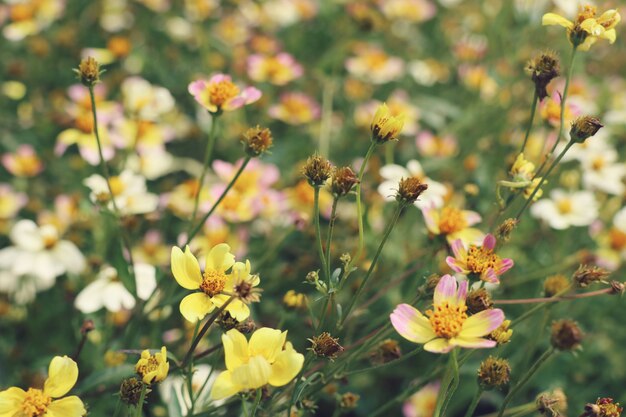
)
(564, 209)
(129, 191)
(433, 197)
(144, 100)
(37, 258)
(108, 291)
(602, 172)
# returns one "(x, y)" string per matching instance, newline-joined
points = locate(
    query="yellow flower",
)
(215, 285)
(266, 359)
(386, 127)
(62, 375)
(586, 29)
(153, 368)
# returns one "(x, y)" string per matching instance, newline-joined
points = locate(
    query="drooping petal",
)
(439, 345)
(10, 401)
(287, 365)
(490, 241)
(195, 306)
(254, 374)
(411, 324)
(66, 407)
(489, 275)
(224, 387)
(267, 342)
(472, 343)
(185, 268)
(481, 324)
(62, 375)
(555, 19)
(456, 265)
(220, 258)
(235, 349)
(238, 310)
(445, 290)
(505, 265)
(609, 35)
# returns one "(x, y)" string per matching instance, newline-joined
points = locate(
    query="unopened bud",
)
(343, 179)
(88, 72)
(409, 189)
(583, 128)
(317, 170)
(566, 335)
(257, 140)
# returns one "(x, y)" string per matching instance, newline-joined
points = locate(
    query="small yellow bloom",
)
(586, 29)
(153, 368)
(266, 359)
(386, 127)
(62, 375)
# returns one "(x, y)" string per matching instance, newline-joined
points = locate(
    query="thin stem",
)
(533, 109)
(219, 200)
(533, 369)
(537, 308)
(142, 398)
(474, 403)
(318, 233)
(555, 299)
(205, 165)
(203, 331)
(257, 401)
(390, 227)
(329, 237)
(359, 208)
(454, 363)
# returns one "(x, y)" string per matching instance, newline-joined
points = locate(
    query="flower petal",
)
(481, 324)
(267, 343)
(287, 365)
(555, 19)
(67, 407)
(473, 343)
(461, 293)
(445, 290)
(254, 374)
(11, 401)
(185, 268)
(195, 306)
(411, 324)
(62, 375)
(439, 345)
(224, 387)
(456, 265)
(220, 258)
(235, 349)
(490, 241)
(238, 310)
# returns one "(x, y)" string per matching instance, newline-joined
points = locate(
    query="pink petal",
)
(506, 264)
(456, 266)
(471, 217)
(218, 78)
(458, 249)
(234, 103)
(483, 323)
(490, 276)
(251, 94)
(445, 290)
(461, 294)
(472, 343)
(411, 324)
(489, 242)
(196, 87)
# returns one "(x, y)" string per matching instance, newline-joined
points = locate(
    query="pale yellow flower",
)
(153, 368)
(586, 29)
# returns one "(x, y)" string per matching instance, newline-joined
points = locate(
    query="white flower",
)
(201, 384)
(433, 197)
(602, 172)
(129, 190)
(565, 209)
(37, 258)
(144, 100)
(108, 291)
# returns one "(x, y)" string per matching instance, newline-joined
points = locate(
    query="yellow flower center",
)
(598, 163)
(213, 282)
(151, 364)
(481, 259)
(21, 12)
(587, 12)
(35, 403)
(221, 92)
(297, 108)
(27, 165)
(117, 186)
(564, 206)
(618, 239)
(451, 220)
(375, 60)
(84, 123)
(275, 70)
(446, 319)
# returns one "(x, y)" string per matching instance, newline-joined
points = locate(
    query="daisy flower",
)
(277, 70)
(565, 209)
(481, 261)
(219, 94)
(454, 223)
(392, 174)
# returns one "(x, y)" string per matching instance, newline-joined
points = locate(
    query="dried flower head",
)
(588, 274)
(343, 179)
(326, 346)
(555, 284)
(388, 350)
(88, 325)
(130, 390)
(228, 322)
(543, 69)
(617, 287)
(317, 170)
(432, 281)
(583, 128)
(552, 403)
(566, 335)
(603, 407)
(494, 373)
(349, 400)
(386, 127)
(257, 140)
(502, 334)
(409, 189)
(89, 72)
(504, 230)
(478, 300)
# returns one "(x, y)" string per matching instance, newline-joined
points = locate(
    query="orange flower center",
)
(84, 123)
(221, 92)
(598, 163)
(587, 12)
(564, 206)
(151, 364)
(617, 239)
(213, 282)
(35, 403)
(451, 220)
(297, 108)
(447, 319)
(481, 259)
(21, 12)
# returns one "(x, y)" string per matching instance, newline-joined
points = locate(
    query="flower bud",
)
(555, 284)
(257, 140)
(386, 127)
(583, 128)
(503, 232)
(349, 400)
(552, 404)
(317, 170)
(588, 274)
(566, 335)
(130, 390)
(343, 179)
(478, 300)
(494, 373)
(88, 72)
(388, 350)
(326, 346)
(409, 189)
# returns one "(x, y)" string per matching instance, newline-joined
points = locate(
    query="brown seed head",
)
(543, 69)
(257, 140)
(566, 335)
(343, 179)
(588, 274)
(583, 128)
(317, 170)
(130, 390)
(503, 232)
(478, 300)
(349, 400)
(552, 404)
(326, 346)
(88, 72)
(494, 373)
(409, 189)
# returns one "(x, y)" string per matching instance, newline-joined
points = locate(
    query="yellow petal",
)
(239, 310)
(439, 345)
(252, 375)
(66, 407)
(235, 349)
(587, 43)
(287, 365)
(195, 306)
(267, 343)
(11, 401)
(62, 375)
(592, 27)
(555, 19)
(609, 35)
(220, 258)
(224, 387)
(186, 269)
(609, 19)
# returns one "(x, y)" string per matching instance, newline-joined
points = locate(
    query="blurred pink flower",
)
(295, 108)
(219, 94)
(278, 70)
(24, 162)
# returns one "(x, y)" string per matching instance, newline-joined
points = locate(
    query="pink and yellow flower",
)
(454, 223)
(23, 163)
(277, 70)
(479, 260)
(295, 109)
(219, 94)
(447, 325)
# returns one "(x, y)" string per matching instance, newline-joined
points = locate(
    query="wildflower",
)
(494, 373)
(277, 70)
(502, 335)
(372, 64)
(326, 346)
(565, 209)
(62, 376)
(399, 105)
(438, 146)
(23, 163)
(153, 367)
(89, 72)
(130, 390)
(505, 229)
(603, 407)
(409, 190)
(244, 285)
(453, 223)
(603, 171)
(294, 300)
(29, 17)
(586, 29)
(543, 69)
(295, 108)
(588, 274)
(479, 260)
(129, 192)
(219, 94)
(386, 127)
(145, 101)
(11, 201)
(478, 300)
(423, 402)
(566, 335)
(555, 284)
(552, 403)
(349, 400)
(392, 174)
(266, 359)
(342, 181)
(583, 128)
(257, 140)
(317, 170)
(447, 325)
(524, 171)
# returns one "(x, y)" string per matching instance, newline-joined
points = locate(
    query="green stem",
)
(142, 398)
(533, 369)
(390, 227)
(533, 109)
(475, 400)
(329, 238)
(205, 165)
(318, 233)
(454, 383)
(537, 308)
(359, 208)
(219, 200)
(257, 401)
